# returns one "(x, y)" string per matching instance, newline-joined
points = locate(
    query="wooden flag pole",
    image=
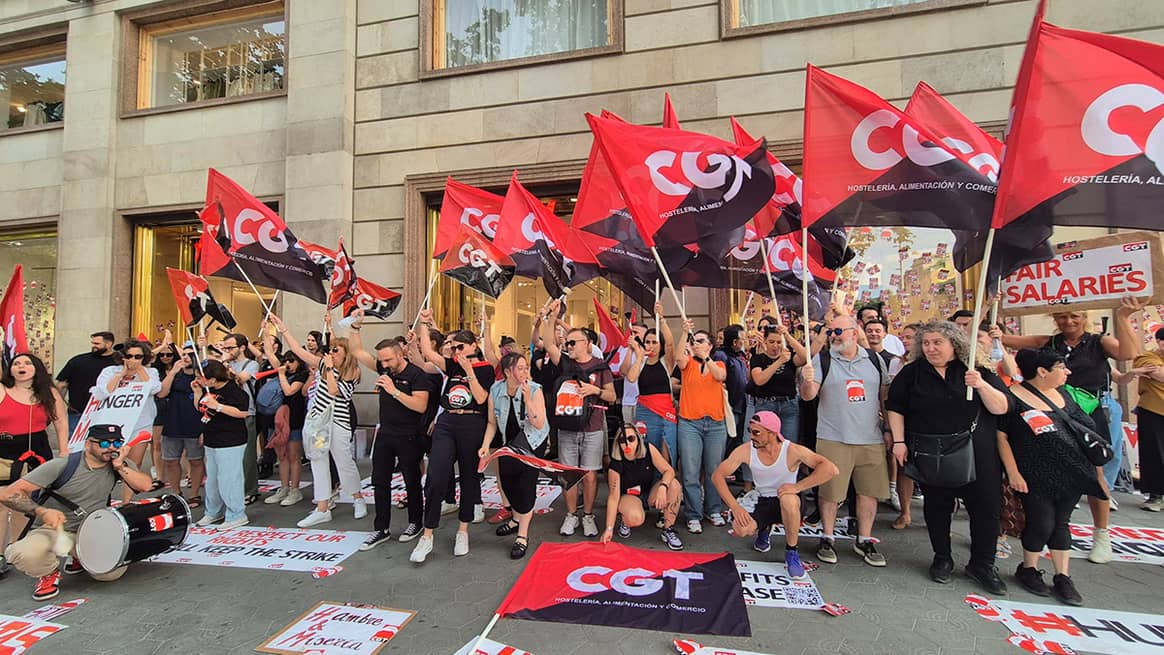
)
(747, 305)
(772, 287)
(994, 305)
(667, 279)
(197, 360)
(979, 297)
(804, 294)
(488, 629)
(432, 278)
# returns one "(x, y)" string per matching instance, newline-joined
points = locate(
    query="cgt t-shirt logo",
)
(459, 395)
(855, 390)
(569, 401)
(1039, 422)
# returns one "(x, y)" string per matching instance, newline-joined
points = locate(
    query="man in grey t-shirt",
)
(102, 464)
(849, 434)
(245, 369)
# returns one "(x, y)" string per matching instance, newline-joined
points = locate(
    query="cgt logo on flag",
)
(718, 167)
(1099, 135)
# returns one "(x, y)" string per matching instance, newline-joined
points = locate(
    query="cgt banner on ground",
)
(1088, 274)
(1137, 545)
(767, 584)
(1060, 629)
(288, 549)
(615, 585)
(122, 407)
(18, 634)
(334, 628)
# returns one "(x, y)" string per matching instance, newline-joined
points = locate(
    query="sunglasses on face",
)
(628, 438)
(109, 443)
(132, 356)
(571, 343)
(836, 332)
(458, 347)
(166, 355)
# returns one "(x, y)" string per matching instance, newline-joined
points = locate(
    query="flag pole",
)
(190, 335)
(488, 629)
(979, 296)
(844, 249)
(432, 278)
(772, 287)
(804, 294)
(246, 277)
(994, 305)
(667, 279)
(747, 304)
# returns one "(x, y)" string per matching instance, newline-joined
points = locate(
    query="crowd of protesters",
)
(745, 429)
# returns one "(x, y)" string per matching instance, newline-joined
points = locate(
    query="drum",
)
(115, 536)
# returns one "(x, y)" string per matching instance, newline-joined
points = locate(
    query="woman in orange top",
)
(701, 432)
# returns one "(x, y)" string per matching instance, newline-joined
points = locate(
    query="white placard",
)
(490, 647)
(285, 549)
(18, 634)
(767, 584)
(330, 628)
(1049, 628)
(690, 647)
(122, 407)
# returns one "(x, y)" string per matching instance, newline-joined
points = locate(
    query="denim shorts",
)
(172, 448)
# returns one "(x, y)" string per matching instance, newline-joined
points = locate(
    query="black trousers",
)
(982, 499)
(519, 481)
(1047, 522)
(389, 450)
(1151, 429)
(455, 440)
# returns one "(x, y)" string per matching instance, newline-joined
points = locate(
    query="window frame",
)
(30, 46)
(428, 45)
(729, 17)
(139, 26)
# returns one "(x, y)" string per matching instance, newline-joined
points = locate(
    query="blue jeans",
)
(701, 444)
(659, 431)
(224, 482)
(1111, 470)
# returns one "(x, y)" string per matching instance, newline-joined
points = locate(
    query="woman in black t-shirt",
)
(772, 379)
(292, 377)
(458, 434)
(224, 412)
(634, 467)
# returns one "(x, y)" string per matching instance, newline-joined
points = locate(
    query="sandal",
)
(901, 523)
(250, 500)
(194, 502)
(507, 528)
(517, 551)
(157, 484)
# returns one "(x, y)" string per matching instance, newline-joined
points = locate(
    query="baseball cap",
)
(767, 420)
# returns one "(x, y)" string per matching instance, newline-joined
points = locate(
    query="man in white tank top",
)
(775, 464)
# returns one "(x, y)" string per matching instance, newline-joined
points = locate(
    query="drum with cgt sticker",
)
(115, 536)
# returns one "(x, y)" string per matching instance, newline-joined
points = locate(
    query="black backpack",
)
(568, 412)
(826, 360)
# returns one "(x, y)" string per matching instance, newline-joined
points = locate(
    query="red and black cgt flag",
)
(615, 585)
(476, 263)
(465, 205)
(867, 163)
(1087, 131)
(239, 229)
(12, 317)
(561, 475)
(343, 278)
(533, 236)
(321, 255)
(610, 336)
(1015, 245)
(375, 300)
(684, 187)
(191, 294)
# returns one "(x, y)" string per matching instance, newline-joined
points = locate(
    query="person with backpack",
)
(58, 495)
(580, 395)
(850, 433)
(285, 389)
(701, 433)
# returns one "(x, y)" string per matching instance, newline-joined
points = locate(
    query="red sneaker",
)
(503, 514)
(74, 567)
(48, 586)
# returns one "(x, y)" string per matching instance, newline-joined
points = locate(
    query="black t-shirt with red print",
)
(220, 430)
(457, 395)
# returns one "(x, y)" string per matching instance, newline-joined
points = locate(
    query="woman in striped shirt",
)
(339, 372)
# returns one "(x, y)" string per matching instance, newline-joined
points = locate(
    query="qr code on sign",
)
(803, 597)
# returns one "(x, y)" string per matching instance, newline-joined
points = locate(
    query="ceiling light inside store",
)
(21, 109)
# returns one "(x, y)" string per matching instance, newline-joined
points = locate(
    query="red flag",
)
(534, 237)
(468, 205)
(478, 264)
(191, 293)
(670, 118)
(343, 278)
(1087, 142)
(612, 338)
(868, 163)
(375, 300)
(321, 255)
(683, 187)
(12, 316)
(562, 475)
(239, 231)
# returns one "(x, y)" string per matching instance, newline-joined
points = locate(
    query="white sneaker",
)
(1115, 507)
(315, 518)
(894, 499)
(569, 525)
(448, 508)
(207, 520)
(294, 496)
(1100, 547)
(361, 509)
(718, 520)
(461, 546)
(237, 523)
(276, 497)
(694, 527)
(423, 548)
(589, 527)
(478, 513)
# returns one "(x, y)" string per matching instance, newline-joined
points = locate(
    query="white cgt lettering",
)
(985, 162)
(478, 220)
(251, 226)
(781, 254)
(1096, 126)
(477, 258)
(911, 145)
(532, 232)
(719, 166)
(632, 582)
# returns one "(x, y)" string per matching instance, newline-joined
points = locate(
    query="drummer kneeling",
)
(102, 463)
(775, 464)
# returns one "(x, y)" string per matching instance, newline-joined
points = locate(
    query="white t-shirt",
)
(894, 345)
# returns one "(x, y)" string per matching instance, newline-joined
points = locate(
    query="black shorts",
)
(767, 512)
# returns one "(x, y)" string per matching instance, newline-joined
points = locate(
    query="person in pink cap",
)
(775, 464)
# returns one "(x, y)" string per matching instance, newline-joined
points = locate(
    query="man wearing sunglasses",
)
(103, 462)
(850, 433)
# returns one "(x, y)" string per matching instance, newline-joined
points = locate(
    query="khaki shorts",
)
(33, 555)
(865, 465)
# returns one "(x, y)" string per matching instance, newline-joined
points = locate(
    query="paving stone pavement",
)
(162, 608)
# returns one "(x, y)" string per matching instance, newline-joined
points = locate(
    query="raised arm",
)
(666, 337)
(293, 344)
(800, 356)
(168, 381)
(490, 349)
(430, 354)
(683, 350)
(362, 356)
(1126, 347)
(548, 325)
(1025, 341)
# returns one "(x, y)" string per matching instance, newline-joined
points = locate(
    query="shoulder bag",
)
(941, 460)
(1095, 449)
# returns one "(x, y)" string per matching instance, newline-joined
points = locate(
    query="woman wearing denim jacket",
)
(517, 410)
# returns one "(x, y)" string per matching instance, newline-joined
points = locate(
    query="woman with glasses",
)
(640, 477)
(292, 377)
(701, 432)
(135, 366)
(458, 434)
(1046, 467)
(517, 409)
(223, 404)
(651, 370)
(338, 372)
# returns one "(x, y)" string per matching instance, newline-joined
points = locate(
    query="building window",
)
(225, 55)
(480, 32)
(763, 15)
(32, 87)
